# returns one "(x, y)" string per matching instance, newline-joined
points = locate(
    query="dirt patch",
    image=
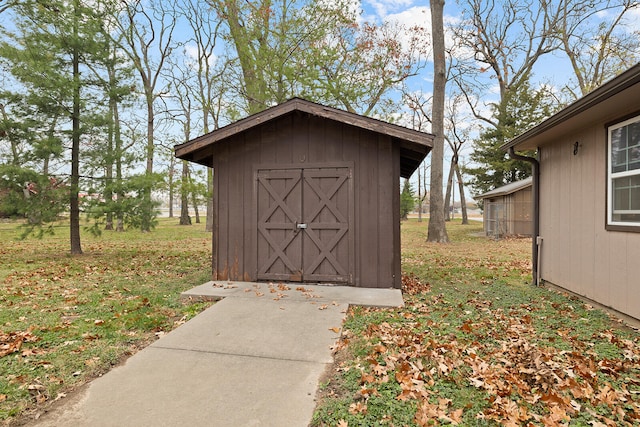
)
(331, 384)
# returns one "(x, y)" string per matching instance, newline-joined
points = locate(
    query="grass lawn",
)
(66, 319)
(477, 345)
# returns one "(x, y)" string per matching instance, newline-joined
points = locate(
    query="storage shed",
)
(507, 210)
(308, 193)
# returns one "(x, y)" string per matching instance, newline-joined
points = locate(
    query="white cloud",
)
(632, 21)
(191, 52)
(415, 16)
(385, 7)
(411, 21)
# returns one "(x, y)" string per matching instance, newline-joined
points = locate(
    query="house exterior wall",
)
(304, 141)
(578, 254)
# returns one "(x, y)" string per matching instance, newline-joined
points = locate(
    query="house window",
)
(624, 173)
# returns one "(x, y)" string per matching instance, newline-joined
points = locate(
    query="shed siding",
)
(510, 214)
(578, 254)
(522, 212)
(309, 142)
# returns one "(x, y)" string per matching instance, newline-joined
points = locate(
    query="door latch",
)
(301, 226)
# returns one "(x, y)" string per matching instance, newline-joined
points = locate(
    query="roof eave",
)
(414, 147)
(511, 188)
(607, 90)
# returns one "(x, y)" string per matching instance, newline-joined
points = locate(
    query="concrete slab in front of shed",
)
(369, 297)
(261, 327)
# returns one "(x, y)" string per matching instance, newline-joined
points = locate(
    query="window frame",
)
(611, 224)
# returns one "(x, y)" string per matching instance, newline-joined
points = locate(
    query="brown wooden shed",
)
(508, 210)
(308, 193)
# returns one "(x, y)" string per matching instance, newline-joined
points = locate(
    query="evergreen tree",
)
(407, 199)
(49, 53)
(521, 109)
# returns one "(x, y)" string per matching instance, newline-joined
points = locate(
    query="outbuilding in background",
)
(507, 210)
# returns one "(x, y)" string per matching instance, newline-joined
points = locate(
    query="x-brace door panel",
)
(279, 208)
(327, 245)
(305, 224)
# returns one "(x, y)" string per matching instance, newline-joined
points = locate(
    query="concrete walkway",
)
(252, 359)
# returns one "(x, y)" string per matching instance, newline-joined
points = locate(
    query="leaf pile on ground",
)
(476, 344)
(67, 319)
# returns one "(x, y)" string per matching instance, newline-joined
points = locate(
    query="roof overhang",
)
(507, 189)
(414, 145)
(618, 94)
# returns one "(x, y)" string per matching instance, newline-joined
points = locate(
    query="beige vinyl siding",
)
(578, 254)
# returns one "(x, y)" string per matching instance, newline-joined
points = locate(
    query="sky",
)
(553, 70)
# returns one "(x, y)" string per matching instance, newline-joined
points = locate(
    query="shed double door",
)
(304, 221)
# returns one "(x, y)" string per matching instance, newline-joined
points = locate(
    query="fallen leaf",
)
(335, 329)
(358, 408)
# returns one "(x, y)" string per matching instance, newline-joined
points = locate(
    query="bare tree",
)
(182, 93)
(423, 192)
(147, 39)
(498, 43)
(508, 37)
(207, 85)
(456, 137)
(437, 231)
(318, 50)
(418, 105)
(598, 48)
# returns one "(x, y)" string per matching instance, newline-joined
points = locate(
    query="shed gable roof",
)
(414, 145)
(617, 95)
(507, 189)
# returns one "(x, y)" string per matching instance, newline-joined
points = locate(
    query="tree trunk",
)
(209, 224)
(194, 199)
(463, 201)
(447, 197)
(118, 164)
(74, 203)
(172, 165)
(145, 224)
(110, 158)
(419, 197)
(437, 231)
(185, 219)
(196, 212)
